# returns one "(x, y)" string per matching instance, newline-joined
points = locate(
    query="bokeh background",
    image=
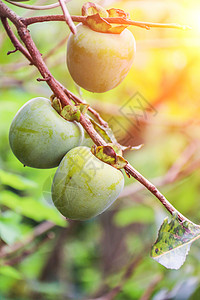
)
(157, 105)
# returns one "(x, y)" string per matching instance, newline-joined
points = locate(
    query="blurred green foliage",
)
(86, 260)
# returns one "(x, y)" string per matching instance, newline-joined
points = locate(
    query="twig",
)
(14, 40)
(18, 259)
(173, 174)
(39, 230)
(67, 16)
(146, 25)
(147, 294)
(134, 173)
(126, 276)
(36, 7)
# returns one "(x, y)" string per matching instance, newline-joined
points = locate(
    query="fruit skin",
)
(83, 186)
(39, 137)
(97, 61)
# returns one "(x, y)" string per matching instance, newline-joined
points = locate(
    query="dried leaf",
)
(95, 18)
(90, 8)
(118, 13)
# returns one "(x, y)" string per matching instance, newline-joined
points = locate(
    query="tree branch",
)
(59, 92)
(39, 230)
(14, 40)
(36, 7)
(146, 25)
(67, 17)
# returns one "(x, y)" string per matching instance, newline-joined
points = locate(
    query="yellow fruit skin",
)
(39, 137)
(83, 186)
(97, 61)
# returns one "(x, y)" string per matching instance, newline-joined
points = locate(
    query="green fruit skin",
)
(97, 61)
(83, 186)
(39, 137)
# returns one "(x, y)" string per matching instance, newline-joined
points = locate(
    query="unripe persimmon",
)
(98, 61)
(40, 137)
(84, 186)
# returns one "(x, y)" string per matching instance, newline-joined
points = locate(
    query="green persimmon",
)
(39, 137)
(98, 61)
(84, 186)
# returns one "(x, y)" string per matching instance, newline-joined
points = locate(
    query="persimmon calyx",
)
(95, 15)
(73, 112)
(108, 155)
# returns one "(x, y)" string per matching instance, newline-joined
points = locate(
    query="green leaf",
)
(31, 208)
(16, 181)
(106, 133)
(9, 233)
(136, 214)
(83, 108)
(174, 241)
(11, 228)
(10, 272)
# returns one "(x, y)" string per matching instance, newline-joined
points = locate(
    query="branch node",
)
(44, 79)
(13, 51)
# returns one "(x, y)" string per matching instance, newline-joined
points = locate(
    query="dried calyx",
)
(95, 15)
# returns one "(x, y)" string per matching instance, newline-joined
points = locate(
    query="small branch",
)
(134, 173)
(14, 40)
(43, 79)
(148, 293)
(67, 16)
(126, 276)
(12, 51)
(39, 230)
(173, 174)
(18, 259)
(82, 19)
(35, 7)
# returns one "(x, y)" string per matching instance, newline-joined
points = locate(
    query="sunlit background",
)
(157, 105)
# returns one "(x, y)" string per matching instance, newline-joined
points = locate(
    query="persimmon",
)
(40, 137)
(98, 61)
(84, 186)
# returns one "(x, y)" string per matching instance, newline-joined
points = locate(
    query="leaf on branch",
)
(106, 133)
(83, 108)
(108, 155)
(174, 241)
